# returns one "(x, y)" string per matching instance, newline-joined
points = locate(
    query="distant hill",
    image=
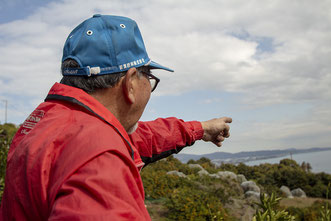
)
(247, 155)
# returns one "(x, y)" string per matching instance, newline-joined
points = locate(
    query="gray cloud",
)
(193, 37)
(271, 52)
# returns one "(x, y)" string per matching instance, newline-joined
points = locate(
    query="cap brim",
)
(154, 65)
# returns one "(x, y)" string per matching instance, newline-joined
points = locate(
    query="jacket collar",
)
(79, 97)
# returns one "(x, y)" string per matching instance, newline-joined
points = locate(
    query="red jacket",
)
(72, 160)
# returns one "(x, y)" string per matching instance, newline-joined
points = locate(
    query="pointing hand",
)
(216, 130)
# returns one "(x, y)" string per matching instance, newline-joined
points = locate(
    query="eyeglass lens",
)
(152, 81)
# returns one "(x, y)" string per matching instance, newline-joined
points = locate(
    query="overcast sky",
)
(266, 64)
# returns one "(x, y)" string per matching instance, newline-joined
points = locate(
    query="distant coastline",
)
(241, 157)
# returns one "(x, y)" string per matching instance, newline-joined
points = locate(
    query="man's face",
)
(142, 94)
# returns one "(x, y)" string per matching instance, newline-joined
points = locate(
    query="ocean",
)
(319, 161)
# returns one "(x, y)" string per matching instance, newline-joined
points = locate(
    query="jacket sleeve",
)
(164, 136)
(105, 188)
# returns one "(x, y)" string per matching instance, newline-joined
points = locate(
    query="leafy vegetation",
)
(192, 198)
(269, 210)
(325, 212)
(7, 132)
(317, 211)
(185, 204)
(287, 173)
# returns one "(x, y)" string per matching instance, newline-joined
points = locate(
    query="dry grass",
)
(299, 202)
(156, 210)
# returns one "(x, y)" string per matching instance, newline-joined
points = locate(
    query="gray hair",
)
(93, 83)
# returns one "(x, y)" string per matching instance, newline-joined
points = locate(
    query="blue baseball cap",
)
(106, 44)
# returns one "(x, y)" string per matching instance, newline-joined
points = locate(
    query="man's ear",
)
(128, 85)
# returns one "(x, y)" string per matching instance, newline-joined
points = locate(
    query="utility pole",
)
(6, 107)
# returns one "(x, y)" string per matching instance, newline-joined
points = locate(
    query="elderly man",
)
(79, 154)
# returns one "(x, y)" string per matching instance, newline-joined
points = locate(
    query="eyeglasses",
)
(152, 80)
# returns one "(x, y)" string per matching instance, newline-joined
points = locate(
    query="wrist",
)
(197, 129)
(204, 126)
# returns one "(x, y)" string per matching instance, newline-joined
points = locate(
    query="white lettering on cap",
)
(68, 71)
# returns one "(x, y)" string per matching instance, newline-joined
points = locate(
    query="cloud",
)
(211, 101)
(287, 133)
(200, 43)
(194, 38)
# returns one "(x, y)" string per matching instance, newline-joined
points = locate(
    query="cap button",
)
(96, 15)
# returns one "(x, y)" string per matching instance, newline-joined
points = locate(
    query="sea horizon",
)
(319, 161)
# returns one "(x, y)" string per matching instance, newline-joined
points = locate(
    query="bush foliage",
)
(7, 132)
(288, 173)
(203, 198)
(192, 198)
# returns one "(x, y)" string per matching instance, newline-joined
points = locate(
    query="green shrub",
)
(318, 211)
(269, 210)
(288, 173)
(185, 204)
(7, 132)
(325, 211)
